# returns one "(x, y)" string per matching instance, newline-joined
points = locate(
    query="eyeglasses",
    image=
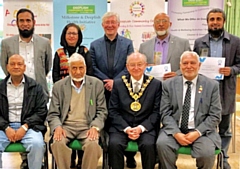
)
(163, 21)
(110, 22)
(72, 33)
(132, 65)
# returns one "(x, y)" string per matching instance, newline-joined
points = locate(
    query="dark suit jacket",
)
(120, 114)
(98, 53)
(231, 51)
(207, 107)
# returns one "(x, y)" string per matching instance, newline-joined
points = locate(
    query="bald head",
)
(162, 25)
(16, 66)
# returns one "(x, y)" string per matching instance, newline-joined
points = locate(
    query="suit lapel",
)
(67, 96)
(198, 94)
(179, 91)
(16, 44)
(151, 50)
(118, 50)
(170, 47)
(102, 46)
(88, 88)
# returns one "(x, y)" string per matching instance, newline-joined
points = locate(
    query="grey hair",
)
(189, 53)
(109, 14)
(143, 57)
(76, 57)
(217, 10)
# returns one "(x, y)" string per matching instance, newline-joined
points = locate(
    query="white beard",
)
(78, 79)
(161, 33)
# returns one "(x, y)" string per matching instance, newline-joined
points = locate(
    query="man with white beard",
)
(165, 47)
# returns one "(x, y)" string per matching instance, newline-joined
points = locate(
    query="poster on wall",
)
(136, 18)
(189, 17)
(2, 75)
(42, 14)
(87, 14)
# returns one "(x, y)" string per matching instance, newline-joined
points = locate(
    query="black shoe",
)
(131, 163)
(73, 164)
(226, 165)
(24, 165)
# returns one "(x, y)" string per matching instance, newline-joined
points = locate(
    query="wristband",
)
(7, 128)
(25, 128)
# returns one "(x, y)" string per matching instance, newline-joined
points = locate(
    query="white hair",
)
(76, 57)
(189, 53)
(109, 14)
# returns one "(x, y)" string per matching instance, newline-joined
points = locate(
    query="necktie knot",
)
(136, 88)
(188, 83)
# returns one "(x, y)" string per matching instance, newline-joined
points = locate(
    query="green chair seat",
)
(132, 146)
(15, 147)
(187, 150)
(75, 145)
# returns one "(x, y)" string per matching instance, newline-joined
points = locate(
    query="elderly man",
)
(134, 113)
(109, 55)
(219, 43)
(23, 112)
(77, 111)
(165, 47)
(190, 113)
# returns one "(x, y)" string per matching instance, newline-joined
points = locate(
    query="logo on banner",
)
(126, 33)
(137, 9)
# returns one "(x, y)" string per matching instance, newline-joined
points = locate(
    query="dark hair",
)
(63, 41)
(217, 10)
(22, 10)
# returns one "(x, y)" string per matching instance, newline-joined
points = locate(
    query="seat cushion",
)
(75, 145)
(15, 147)
(187, 150)
(132, 146)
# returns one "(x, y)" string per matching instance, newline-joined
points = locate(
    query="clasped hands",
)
(15, 135)
(134, 133)
(186, 139)
(59, 132)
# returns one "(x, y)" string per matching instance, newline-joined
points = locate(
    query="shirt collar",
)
(217, 39)
(139, 81)
(20, 40)
(106, 38)
(164, 40)
(194, 81)
(9, 81)
(74, 86)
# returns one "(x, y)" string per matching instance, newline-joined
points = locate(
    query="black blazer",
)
(121, 116)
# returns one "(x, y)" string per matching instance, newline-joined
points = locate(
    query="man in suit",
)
(77, 110)
(164, 48)
(134, 113)
(35, 50)
(190, 113)
(23, 112)
(109, 55)
(219, 43)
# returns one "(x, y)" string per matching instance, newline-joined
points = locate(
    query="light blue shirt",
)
(216, 46)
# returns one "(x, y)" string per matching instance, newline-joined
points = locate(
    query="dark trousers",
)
(118, 143)
(225, 134)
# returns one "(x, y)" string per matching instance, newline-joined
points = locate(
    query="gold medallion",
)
(135, 106)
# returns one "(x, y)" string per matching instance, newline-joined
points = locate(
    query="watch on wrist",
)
(25, 128)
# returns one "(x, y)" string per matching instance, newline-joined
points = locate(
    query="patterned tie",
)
(186, 108)
(136, 88)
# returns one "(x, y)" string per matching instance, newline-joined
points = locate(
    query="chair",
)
(187, 151)
(76, 145)
(18, 147)
(133, 147)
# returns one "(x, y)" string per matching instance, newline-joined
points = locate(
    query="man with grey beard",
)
(219, 43)
(164, 48)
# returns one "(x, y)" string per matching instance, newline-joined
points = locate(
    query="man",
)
(219, 43)
(134, 113)
(35, 50)
(190, 113)
(77, 110)
(109, 55)
(23, 112)
(164, 48)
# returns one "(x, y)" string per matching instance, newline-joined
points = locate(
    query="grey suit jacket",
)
(61, 97)
(176, 47)
(231, 52)
(207, 107)
(42, 56)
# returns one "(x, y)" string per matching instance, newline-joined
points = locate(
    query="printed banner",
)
(87, 14)
(136, 18)
(188, 17)
(42, 14)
